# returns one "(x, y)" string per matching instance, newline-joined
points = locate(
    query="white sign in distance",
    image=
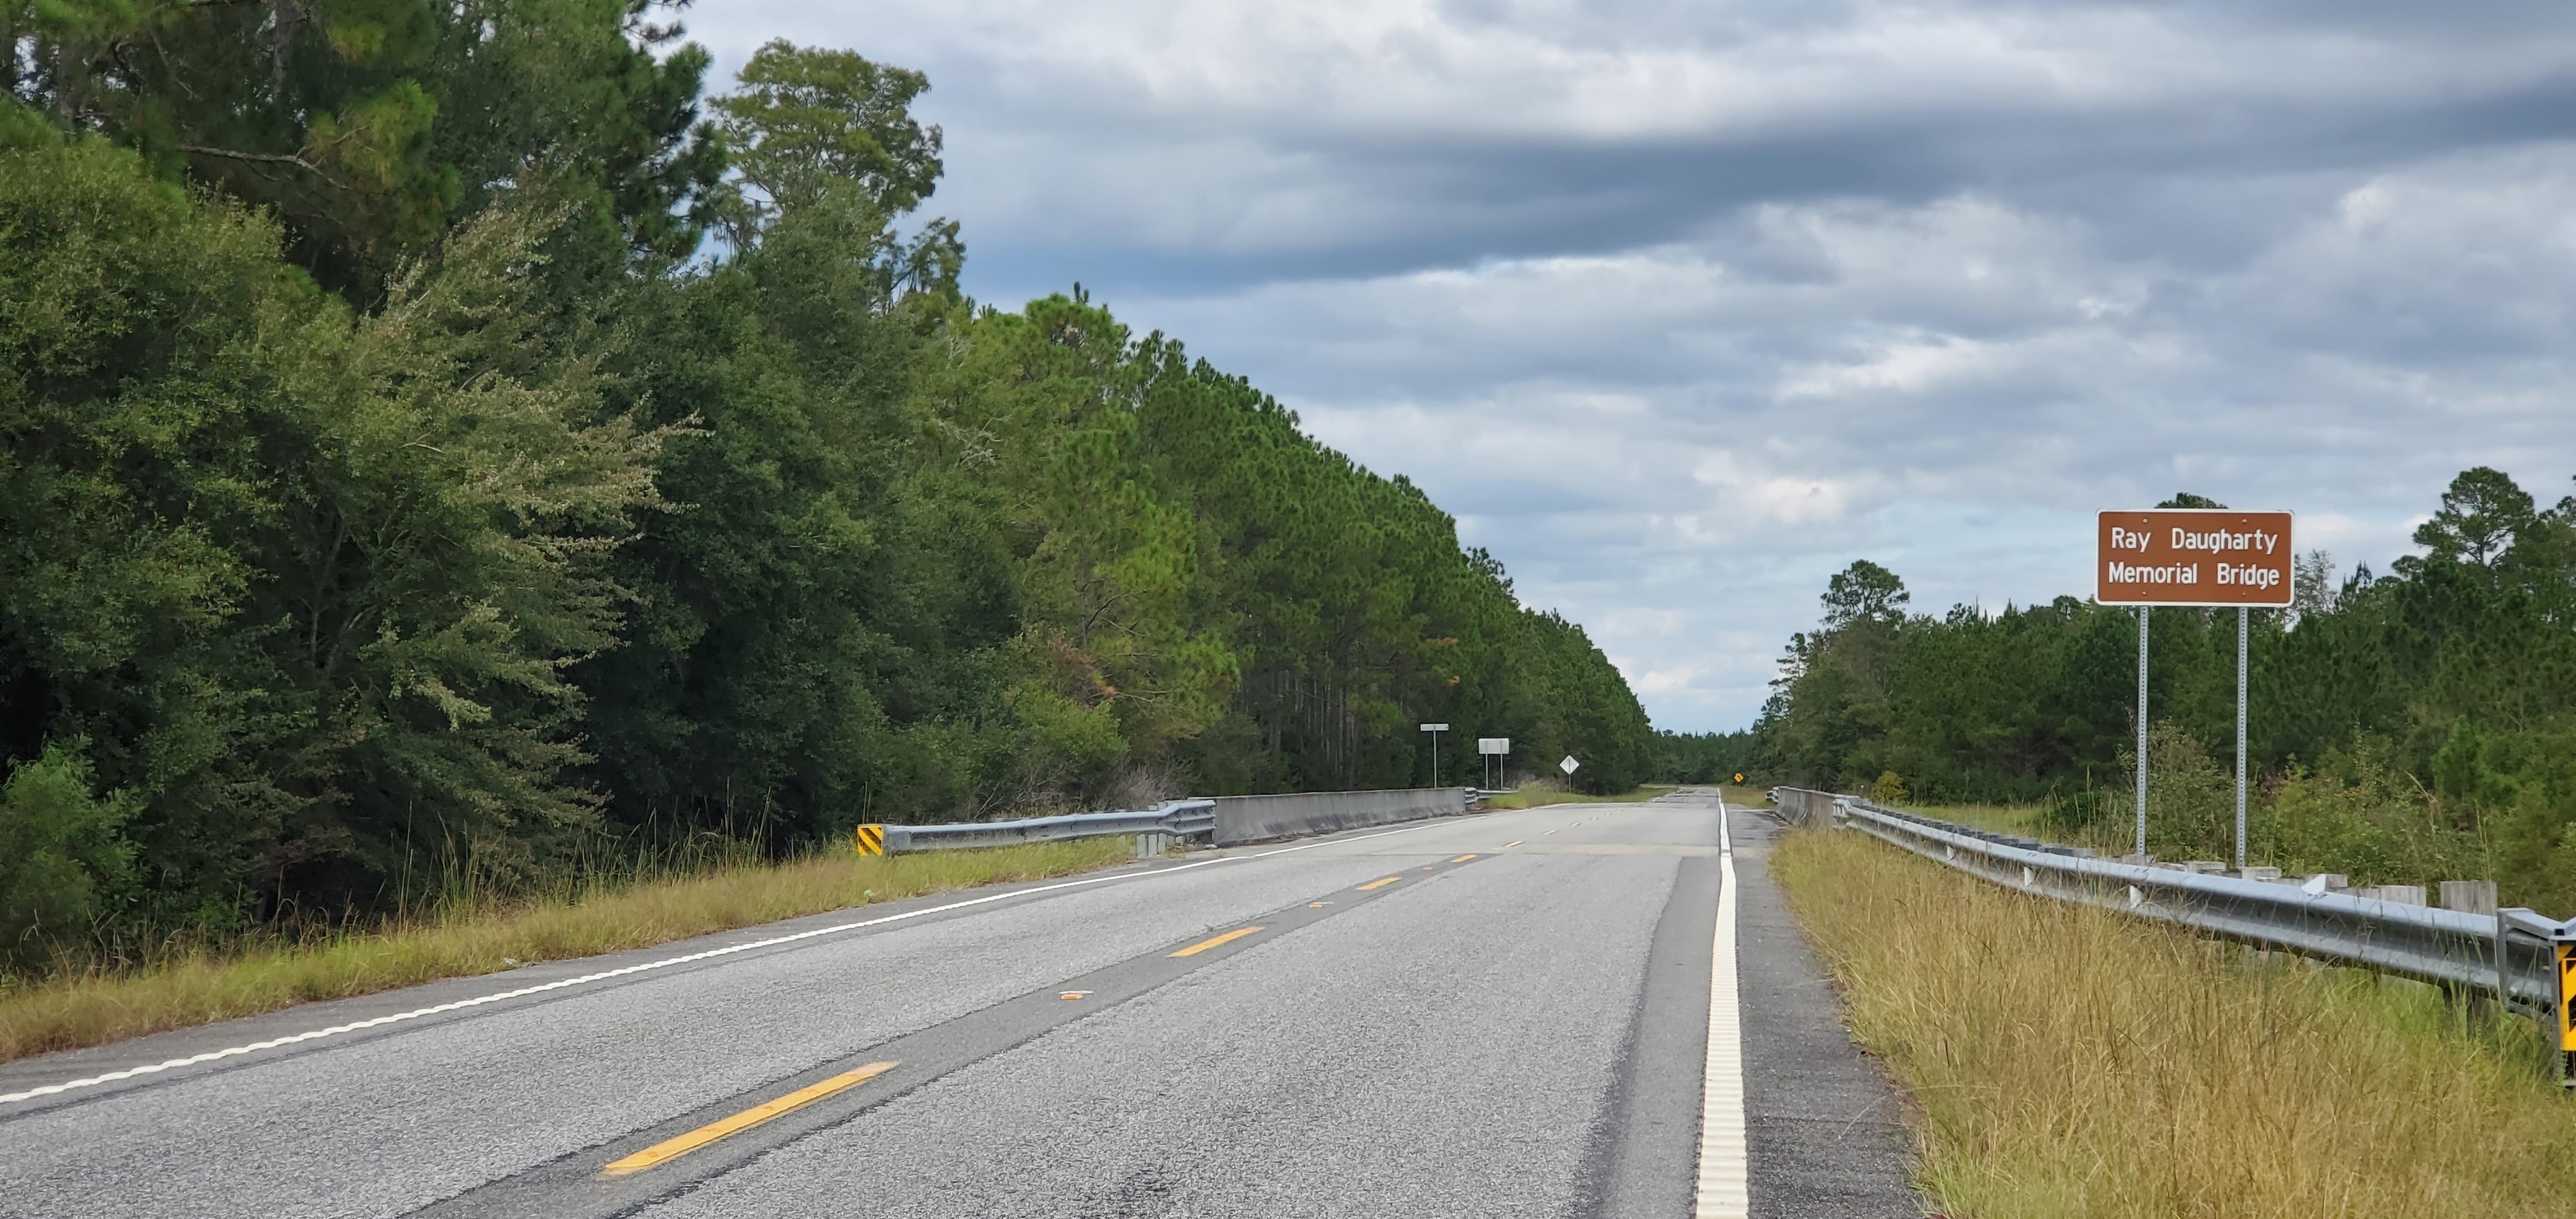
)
(1435, 727)
(1493, 744)
(1569, 764)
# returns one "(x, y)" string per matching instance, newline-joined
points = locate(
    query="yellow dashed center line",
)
(669, 1149)
(1464, 858)
(1216, 940)
(1380, 882)
(1513, 843)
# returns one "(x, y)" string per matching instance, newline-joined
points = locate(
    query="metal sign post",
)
(2242, 615)
(1435, 730)
(1495, 748)
(2206, 557)
(2141, 848)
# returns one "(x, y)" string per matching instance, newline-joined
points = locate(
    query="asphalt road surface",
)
(1498, 1015)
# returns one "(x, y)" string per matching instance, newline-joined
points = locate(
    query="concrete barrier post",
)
(2473, 896)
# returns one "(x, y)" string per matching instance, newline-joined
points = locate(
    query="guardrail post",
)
(2477, 897)
(2473, 896)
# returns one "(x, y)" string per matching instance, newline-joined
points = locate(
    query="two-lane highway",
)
(1504, 1014)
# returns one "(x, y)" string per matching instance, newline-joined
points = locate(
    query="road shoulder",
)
(1824, 1126)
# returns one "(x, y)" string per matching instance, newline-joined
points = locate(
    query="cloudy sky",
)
(1681, 307)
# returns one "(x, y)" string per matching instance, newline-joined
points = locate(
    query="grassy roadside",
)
(1542, 797)
(2070, 1061)
(84, 1010)
(2001, 818)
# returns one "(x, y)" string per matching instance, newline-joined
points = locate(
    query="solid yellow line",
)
(1464, 858)
(745, 1120)
(1382, 882)
(1213, 941)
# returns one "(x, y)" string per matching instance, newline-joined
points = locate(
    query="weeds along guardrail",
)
(2517, 956)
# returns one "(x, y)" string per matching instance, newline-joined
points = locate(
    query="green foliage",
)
(1864, 592)
(2482, 512)
(59, 850)
(2078, 816)
(2413, 727)
(804, 117)
(830, 132)
(1888, 789)
(307, 580)
(370, 128)
(398, 501)
(1256, 612)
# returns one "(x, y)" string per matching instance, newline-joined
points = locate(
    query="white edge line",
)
(1723, 1189)
(772, 942)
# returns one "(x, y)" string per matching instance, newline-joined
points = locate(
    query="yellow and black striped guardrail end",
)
(2566, 997)
(872, 840)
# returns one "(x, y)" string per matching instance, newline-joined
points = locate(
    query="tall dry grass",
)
(2076, 1062)
(200, 986)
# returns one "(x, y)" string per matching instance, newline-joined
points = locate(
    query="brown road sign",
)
(2192, 556)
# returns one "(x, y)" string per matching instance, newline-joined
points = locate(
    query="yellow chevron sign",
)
(872, 840)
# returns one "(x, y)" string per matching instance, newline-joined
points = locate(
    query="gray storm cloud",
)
(1682, 307)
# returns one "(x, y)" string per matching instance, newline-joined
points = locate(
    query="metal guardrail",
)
(1223, 820)
(2515, 954)
(1178, 818)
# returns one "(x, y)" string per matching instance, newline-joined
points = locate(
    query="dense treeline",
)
(2403, 725)
(1707, 757)
(433, 438)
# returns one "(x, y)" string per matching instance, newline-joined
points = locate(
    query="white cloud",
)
(1906, 366)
